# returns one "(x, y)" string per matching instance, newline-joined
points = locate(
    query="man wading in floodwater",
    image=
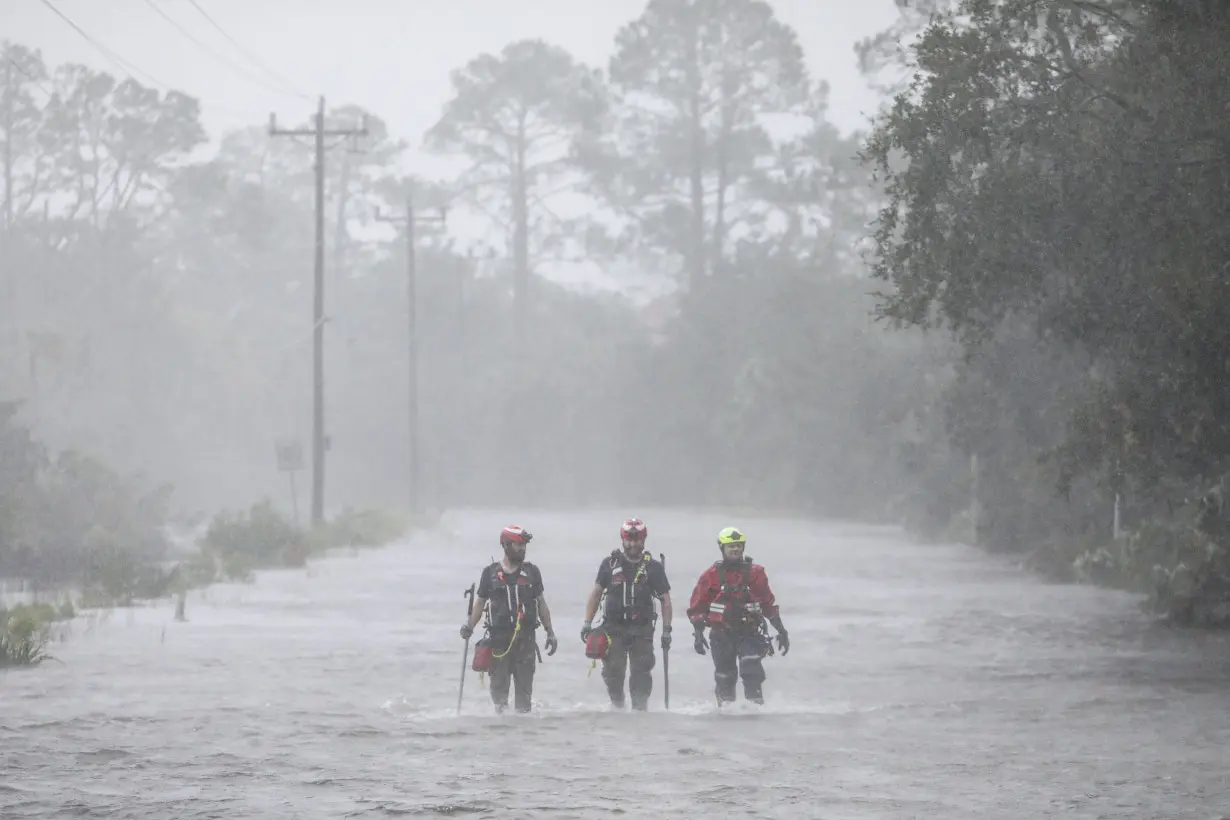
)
(733, 599)
(511, 591)
(632, 579)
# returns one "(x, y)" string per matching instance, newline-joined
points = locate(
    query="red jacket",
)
(744, 585)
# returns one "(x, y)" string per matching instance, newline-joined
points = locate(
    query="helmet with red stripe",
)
(515, 535)
(633, 530)
(633, 533)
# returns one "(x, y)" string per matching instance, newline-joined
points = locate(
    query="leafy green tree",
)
(885, 57)
(1058, 209)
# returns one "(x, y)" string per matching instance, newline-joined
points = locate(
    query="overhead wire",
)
(286, 84)
(129, 69)
(207, 49)
(116, 60)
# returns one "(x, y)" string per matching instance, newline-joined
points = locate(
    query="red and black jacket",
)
(733, 595)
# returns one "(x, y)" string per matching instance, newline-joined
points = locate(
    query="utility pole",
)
(319, 132)
(412, 346)
(974, 503)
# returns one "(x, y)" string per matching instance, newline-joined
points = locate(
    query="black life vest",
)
(629, 599)
(734, 605)
(512, 597)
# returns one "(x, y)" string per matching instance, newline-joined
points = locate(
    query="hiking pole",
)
(469, 596)
(666, 661)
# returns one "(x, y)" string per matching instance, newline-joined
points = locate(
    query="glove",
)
(585, 630)
(698, 640)
(783, 637)
(666, 639)
(466, 631)
(552, 643)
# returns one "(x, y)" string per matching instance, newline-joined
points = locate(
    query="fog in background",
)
(586, 334)
(679, 265)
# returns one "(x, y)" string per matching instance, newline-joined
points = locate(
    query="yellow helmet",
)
(731, 535)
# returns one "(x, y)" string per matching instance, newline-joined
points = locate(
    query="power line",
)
(286, 84)
(237, 69)
(129, 69)
(115, 59)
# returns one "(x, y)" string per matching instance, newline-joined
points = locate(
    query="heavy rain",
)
(654, 408)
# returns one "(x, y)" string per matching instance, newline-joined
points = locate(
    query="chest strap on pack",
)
(629, 589)
(640, 573)
(742, 604)
(513, 592)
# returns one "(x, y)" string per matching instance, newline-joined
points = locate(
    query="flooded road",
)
(922, 682)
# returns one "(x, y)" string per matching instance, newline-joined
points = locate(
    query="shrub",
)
(258, 539)
(359, 528)
(25, 631)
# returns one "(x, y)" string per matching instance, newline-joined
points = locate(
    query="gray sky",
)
(384, 55)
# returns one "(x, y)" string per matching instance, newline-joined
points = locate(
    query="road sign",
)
(290, 455)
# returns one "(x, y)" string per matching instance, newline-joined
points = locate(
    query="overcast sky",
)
(391, 57)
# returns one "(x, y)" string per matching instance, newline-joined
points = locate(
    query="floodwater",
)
(922, 682)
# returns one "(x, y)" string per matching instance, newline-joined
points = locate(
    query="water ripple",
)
(922, 682)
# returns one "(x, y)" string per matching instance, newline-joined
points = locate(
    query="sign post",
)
(290, 461)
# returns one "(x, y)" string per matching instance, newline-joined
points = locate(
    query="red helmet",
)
(633, 530)
(514, 535)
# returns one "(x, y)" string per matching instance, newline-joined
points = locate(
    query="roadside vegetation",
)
(1055, 177)
(77, 536)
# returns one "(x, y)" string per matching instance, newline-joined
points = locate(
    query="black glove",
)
(666, 639)
(466, 631)
(698, 639)
(783, 637)
(585, 630)
(552, 643)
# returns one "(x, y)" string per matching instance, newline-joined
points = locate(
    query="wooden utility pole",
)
(412, 347)
(319, 132)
